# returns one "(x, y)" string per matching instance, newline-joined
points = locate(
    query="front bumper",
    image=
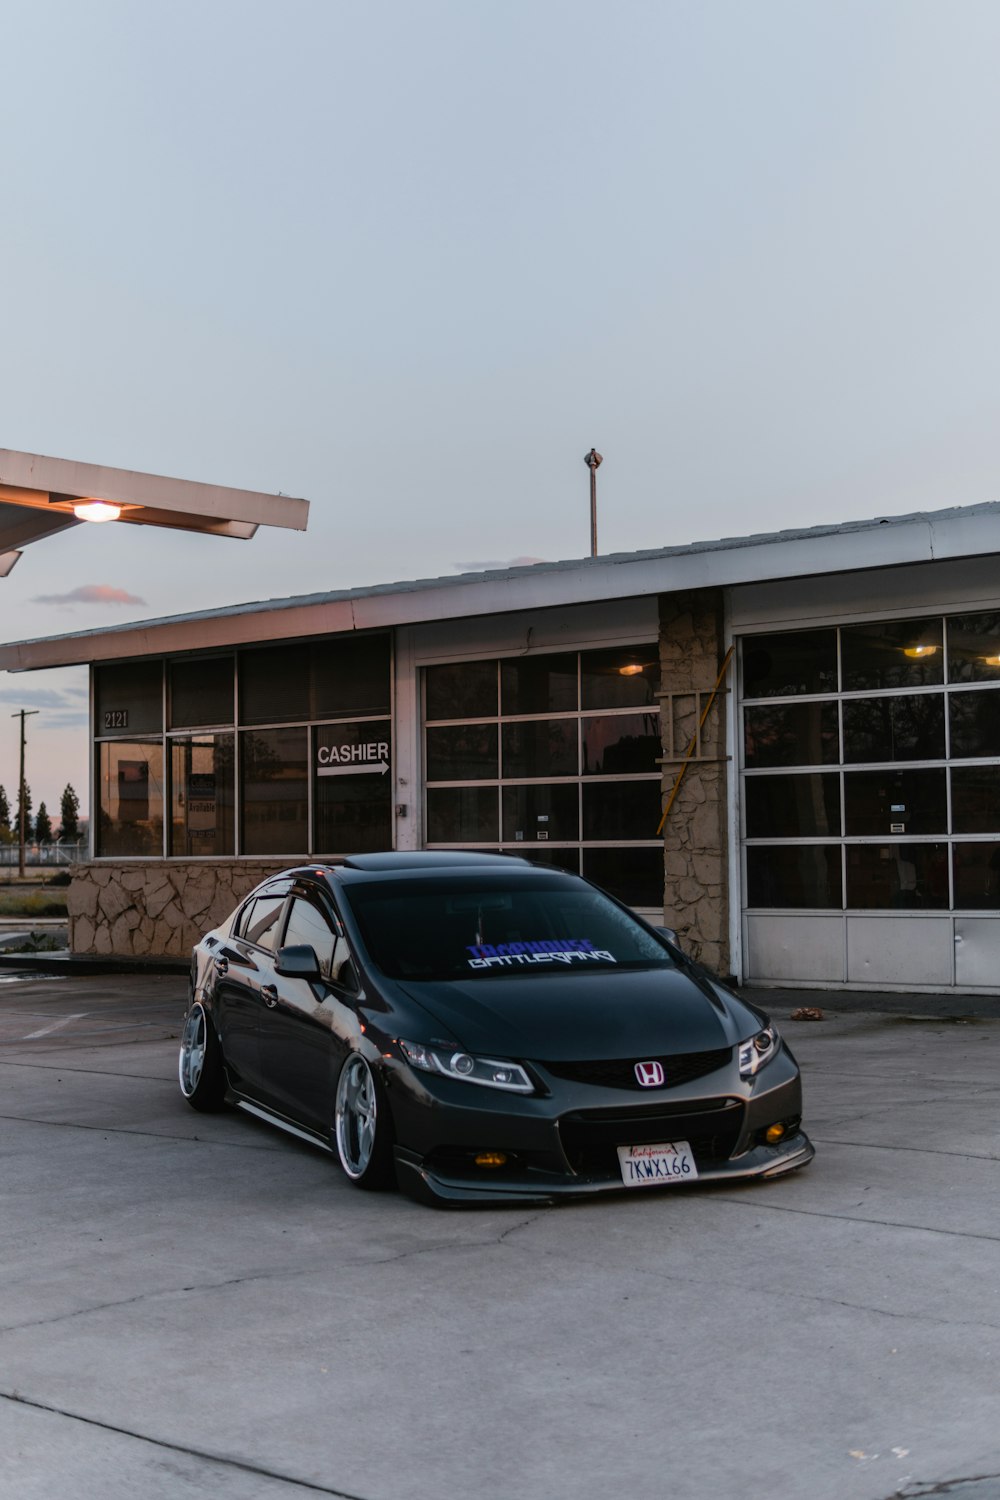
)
(563, 1143)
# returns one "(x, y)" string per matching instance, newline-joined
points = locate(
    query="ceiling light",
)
(918, 651)
(632, 670)
(990, 661)
(96, 510)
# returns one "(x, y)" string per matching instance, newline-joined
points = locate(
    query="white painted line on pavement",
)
(53, 1026)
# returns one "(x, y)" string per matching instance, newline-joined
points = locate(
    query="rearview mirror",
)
(298, 961)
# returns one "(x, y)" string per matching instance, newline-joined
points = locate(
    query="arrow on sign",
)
(375, 767)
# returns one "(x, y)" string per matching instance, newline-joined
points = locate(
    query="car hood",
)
(649, 1012)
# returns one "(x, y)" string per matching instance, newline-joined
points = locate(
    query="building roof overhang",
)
(883, 542)
(38, 495)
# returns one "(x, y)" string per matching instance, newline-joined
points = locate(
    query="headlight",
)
(758, 1050)
(491, 1072)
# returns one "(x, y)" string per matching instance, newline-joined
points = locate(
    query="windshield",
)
(462, 927)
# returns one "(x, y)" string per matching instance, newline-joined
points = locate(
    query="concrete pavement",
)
(197, 1305)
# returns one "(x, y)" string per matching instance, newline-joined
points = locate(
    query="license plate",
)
(645, 1166)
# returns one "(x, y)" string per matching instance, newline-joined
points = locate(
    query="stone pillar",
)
(696, 888)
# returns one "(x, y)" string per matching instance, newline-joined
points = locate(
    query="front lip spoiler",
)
(762, 1163)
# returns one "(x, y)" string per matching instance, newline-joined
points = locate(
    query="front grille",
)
(619, 1073)
(590, 1137)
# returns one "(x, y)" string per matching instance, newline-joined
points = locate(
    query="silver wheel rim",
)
(356, 1116)
(191, 1061)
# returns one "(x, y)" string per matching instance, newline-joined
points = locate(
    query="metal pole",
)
(593, 460)
(22, 714)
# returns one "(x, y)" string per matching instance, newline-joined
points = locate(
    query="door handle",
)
(269, 994)
(222, 966)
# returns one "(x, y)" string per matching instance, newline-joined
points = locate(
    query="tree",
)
(27, 815)
(5, 833)
(43, 825)
(69, 816)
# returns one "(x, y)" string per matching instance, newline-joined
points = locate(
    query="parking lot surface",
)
(198, 1305)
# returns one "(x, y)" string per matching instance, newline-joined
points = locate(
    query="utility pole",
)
(593, 460)
(22, 714)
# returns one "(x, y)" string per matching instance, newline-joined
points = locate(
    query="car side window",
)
(258, 922)
(307, 924)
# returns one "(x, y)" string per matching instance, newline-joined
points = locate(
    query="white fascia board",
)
(35, 473)
(821, 552)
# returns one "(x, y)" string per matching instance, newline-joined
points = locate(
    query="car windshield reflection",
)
(475, 928)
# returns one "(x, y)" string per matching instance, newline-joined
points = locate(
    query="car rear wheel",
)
(199, 1065)
(362, 1125)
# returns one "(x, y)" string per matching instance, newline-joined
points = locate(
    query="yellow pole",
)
(694, 739)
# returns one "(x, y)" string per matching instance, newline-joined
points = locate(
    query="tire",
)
(200, 1071)
(362, 1126)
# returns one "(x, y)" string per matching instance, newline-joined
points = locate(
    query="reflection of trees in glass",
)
(463, 691)
(462, 752)
(791, 734)
(778, 666)
(894, 654)
(975, 723)
(261, 762)
(894, 728)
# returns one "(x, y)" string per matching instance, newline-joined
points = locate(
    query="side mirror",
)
(298, 961)
(669, 933)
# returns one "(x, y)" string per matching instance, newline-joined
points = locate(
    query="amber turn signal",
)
(775, 1133)
(491, 1159)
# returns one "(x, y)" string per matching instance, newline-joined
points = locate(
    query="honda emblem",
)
(650, 1074)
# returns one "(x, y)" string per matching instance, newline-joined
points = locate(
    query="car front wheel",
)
(362, 1126)
(199, 1066)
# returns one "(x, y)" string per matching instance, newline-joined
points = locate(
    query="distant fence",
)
(43, 854)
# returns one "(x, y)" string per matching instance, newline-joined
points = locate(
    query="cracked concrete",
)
(195, 1306)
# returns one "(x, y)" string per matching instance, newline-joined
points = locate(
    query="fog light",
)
(775, 1133)
(491, 1159)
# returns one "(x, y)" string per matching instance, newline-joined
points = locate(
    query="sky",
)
(411, 259)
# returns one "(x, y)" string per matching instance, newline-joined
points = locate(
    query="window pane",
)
(889, 876)
(129, 695)
(977, 876)
(538, 684)
(546, 747)
(975, 723)
(621, 809)
(975, 799)
(621, 745)
(896, 653)
(800, 661)
(308, 925)
(875, 799)
(353, 805)
(259, 923)
(467, 690)
(350, 676)
(793, 734)
(795, 876)
(910, 728)
(274, 773)
(274, 685)
(131, 794)
(462, 752)
(620, 678)
(533, 814)
(202, 796)
(201, 692)
(634, 876)
(462, 815)
(792, 806)
(974, 648)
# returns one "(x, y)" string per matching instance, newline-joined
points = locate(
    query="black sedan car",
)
(483, 1029)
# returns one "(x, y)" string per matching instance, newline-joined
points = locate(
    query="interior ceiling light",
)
(918, 651)
(990, 661)
(96, 510)
(632, 670)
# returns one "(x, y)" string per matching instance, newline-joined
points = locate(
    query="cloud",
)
(90, 593)
(37, 698)
(491, 563)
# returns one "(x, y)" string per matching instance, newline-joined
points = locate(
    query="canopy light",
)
(918, 651)
(990, 661)
(632, 670)
(96, 510)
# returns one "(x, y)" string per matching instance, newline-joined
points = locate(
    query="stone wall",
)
(158, 909)
(696, 894)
